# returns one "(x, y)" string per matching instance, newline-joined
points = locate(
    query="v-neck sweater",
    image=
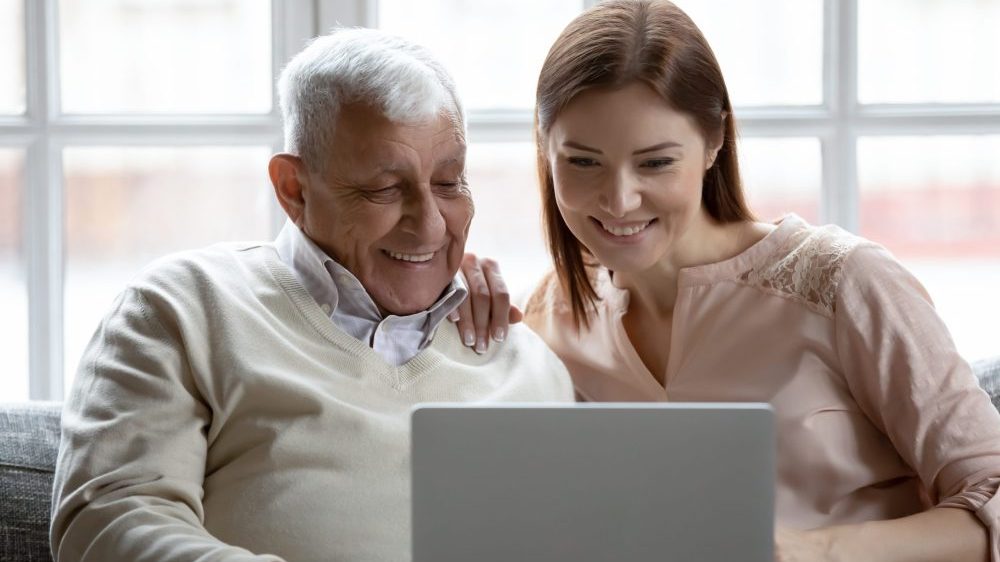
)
(220, 415)
(877, 415)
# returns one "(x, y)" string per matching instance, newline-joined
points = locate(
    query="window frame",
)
(42, 132)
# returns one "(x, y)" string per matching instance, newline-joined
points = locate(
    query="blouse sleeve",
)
(128, 482)
(902, 367)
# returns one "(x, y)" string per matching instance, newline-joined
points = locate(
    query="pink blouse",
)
(877, 415)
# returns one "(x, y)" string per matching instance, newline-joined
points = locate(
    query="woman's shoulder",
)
(810, 262)
(547, 298)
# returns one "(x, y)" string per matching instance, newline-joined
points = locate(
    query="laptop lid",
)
(632, 482)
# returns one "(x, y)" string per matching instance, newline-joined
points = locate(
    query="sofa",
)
(29, 439)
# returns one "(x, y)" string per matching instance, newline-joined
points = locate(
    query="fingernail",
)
(499, 334)
(481, 345)
(469, 338)
(453, 317)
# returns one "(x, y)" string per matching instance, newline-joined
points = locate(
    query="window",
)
(878, 116)
(13, 289)
(883, 117)
(132, 129)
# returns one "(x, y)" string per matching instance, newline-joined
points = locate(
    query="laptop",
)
(636, 482)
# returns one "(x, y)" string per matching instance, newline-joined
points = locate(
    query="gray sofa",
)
(29, 437)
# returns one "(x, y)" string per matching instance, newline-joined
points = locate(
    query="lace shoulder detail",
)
(547, 297)
(807, 267)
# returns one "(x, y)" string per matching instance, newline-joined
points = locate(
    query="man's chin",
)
(411, 302)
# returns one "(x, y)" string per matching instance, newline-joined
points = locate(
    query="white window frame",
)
(837, 122)
(42, 132)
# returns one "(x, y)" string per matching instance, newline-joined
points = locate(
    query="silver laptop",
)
(593, 482)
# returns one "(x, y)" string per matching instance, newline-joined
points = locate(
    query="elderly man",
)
(251, 401)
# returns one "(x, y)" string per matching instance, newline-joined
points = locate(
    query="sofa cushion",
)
(29, 442)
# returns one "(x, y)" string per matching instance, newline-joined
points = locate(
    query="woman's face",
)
(628, 174)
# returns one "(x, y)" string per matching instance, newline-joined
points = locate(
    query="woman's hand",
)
(486, 313)
(802, 546)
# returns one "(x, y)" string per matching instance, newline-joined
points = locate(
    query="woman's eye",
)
(581, 161)
(657, 163)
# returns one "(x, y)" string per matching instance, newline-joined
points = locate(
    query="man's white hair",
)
(350, 65)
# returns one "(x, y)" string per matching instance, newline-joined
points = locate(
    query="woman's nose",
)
(622, 196)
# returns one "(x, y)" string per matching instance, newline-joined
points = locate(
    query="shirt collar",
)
(345, 294)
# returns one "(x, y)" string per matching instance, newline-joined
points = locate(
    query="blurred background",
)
(130, 129)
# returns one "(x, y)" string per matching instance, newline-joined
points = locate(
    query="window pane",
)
(12, 56)
(128, 206)
(165, 56)
(928, 51)
(507, 226)
(13, 289)
(782, 175)
(937, 207)
(771, 51)
(493, 49)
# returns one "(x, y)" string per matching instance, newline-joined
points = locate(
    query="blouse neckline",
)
(617, 299)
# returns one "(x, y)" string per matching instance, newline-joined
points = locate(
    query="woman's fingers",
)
(479, 299)
(462, 317)
(515, 315)
(499, 299)
(487, 313)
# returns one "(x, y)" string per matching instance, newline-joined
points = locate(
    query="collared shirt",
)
(397, 339)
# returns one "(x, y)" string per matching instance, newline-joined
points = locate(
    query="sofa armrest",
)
(29, 444)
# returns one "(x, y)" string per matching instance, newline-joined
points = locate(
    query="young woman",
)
(667, 288)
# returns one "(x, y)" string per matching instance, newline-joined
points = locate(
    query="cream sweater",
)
(219, 414)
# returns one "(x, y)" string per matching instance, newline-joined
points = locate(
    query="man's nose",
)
(422, 216)
(621, 196)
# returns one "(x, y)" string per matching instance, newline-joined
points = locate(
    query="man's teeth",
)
(625, 230)
(416, 258)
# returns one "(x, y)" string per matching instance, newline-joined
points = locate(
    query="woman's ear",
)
(289, 178)
(714, 145)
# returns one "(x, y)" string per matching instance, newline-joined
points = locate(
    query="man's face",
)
(392, 206)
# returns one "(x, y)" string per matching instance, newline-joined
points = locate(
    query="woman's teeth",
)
(415, 258)
(625, 230)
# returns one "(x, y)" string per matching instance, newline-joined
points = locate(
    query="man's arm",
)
(128, 483)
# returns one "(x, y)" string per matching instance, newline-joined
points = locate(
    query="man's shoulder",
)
(210, 265)
(520, 345)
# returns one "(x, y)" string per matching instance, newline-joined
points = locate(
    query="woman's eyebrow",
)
(655, 147)
(578, 146)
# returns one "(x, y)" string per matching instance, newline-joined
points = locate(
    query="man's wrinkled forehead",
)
(368, 143)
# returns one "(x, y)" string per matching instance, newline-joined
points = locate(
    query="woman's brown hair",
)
(613, 44)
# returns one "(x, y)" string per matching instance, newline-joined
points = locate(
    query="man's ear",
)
(289, 178)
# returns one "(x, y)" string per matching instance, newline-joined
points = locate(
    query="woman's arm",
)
(936, 535)
(901, 366)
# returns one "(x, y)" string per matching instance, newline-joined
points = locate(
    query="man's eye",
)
(657, 163)
(449, 188)
(381, 194)
(581, 161)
